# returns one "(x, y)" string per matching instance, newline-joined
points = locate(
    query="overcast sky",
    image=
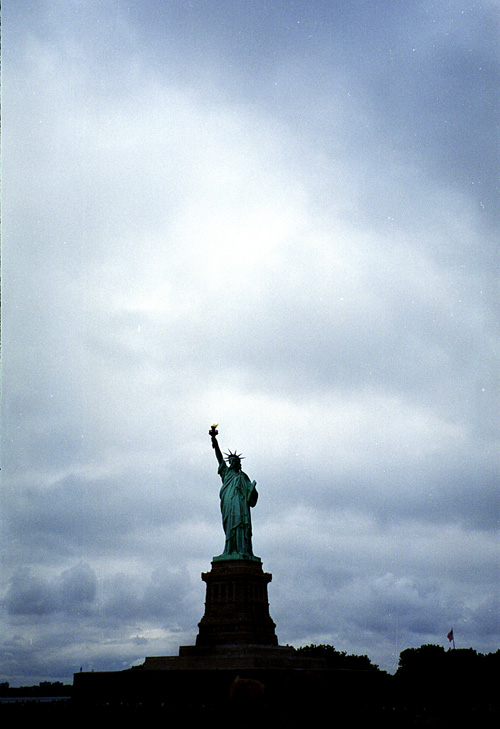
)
(282, 217)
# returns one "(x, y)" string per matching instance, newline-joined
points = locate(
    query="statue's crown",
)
(230, 455)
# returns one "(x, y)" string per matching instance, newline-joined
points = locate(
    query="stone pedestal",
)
(236, 638)
(236, 606)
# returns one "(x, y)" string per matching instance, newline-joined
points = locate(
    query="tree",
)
(427, 658)
(339, 659)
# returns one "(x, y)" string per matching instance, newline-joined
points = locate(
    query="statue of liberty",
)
(237, 495)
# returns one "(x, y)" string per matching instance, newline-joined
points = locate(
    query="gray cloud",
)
(72, 592)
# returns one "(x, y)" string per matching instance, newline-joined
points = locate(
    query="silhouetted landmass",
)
(42, 690)
(432, 687)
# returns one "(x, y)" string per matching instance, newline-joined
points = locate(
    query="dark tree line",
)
(432, 686)
(453, 686)
(338, 659)
(435, 659)
(413, 662)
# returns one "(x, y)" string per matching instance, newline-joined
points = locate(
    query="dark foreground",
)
(272, 717)
(306, 699)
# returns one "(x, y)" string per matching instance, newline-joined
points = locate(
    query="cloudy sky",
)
(281, 216)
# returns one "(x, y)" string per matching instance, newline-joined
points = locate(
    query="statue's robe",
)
(237, 495)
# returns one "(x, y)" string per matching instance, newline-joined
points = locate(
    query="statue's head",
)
(234, 460)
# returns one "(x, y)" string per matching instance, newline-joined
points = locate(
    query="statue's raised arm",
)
(213, 432)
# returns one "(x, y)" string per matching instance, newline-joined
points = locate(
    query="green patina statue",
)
(237, 495)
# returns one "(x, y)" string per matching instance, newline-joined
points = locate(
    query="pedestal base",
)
(236, 605)
(233, 658)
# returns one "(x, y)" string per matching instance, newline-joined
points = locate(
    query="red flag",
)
(450, 635)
